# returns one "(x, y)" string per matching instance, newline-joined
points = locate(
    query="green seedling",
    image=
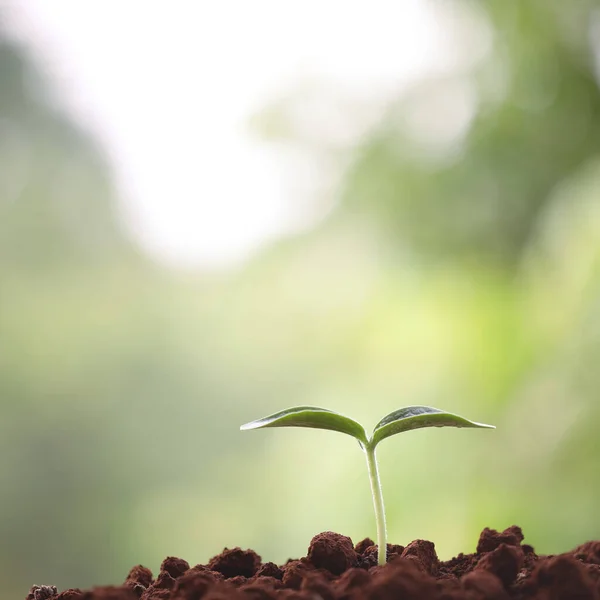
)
(404, 419)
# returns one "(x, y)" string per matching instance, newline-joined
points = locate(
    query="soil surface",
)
(335, 569)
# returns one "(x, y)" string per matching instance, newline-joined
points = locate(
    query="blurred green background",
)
(455, 269)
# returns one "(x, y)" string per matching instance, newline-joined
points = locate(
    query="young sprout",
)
(404, 419)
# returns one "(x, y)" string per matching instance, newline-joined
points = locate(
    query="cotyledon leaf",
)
(415, 417)
(311, 416)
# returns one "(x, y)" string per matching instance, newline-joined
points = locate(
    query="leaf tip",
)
(486, 426)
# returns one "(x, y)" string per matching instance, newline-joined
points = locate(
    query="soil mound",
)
(502, 568)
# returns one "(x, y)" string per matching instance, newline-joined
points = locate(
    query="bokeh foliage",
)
(456, 270)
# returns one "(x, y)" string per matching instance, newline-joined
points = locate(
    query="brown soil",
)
(334, 569)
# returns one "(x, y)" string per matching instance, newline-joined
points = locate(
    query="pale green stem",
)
(377, 503)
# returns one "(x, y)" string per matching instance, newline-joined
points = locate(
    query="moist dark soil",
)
(335, 569)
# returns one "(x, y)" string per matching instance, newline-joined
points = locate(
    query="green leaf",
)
(415, 417)
(311, 416)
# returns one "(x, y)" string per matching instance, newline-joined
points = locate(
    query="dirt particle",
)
(459, 565)
(504, 562)
(318, 586)
(363, 545)
(270, 569)
(141, 575)
(483, 585)
(294, 572)
(194, 584)
(401, 579)
(235, 562)
(332, 551)
(259, 591)
(266, 581)
(588, 553)
(393, 550)
(42, 592)
(564, 578)
(220, 591)
(70, 594)
(422, 552)
(110, 592)
(353, 578)
(175, 567)
(490, 539)
(368, 558)
(164, 581)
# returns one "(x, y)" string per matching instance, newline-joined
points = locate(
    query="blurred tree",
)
(71, 287)
(463, 164)
(56, 197)
(535, 120)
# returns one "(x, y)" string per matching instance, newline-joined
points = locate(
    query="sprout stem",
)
(377, 503)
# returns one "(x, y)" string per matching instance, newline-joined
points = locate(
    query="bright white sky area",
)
(169, 87)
